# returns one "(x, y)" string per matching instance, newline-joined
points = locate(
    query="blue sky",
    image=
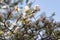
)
(49, 6)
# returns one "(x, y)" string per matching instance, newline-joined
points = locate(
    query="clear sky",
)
(49, 6)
